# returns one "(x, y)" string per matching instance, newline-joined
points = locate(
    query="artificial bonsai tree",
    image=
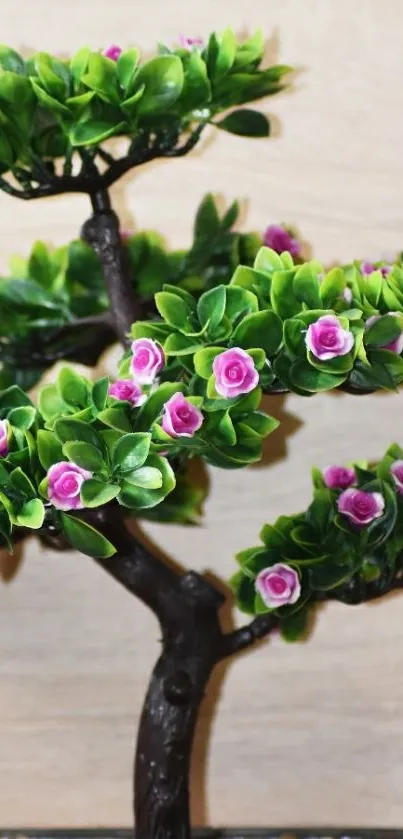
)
(89, 456)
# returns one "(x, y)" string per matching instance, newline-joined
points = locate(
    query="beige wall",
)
(304, 734)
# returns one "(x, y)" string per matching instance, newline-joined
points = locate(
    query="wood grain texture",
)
(306, 734)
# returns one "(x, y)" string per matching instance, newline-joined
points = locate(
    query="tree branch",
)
(240, 639)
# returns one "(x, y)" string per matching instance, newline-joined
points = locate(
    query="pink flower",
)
(113, 52)
(338, 477)
(327, 339)
(125, 235)
(148, 360)
(278, 585)
(369, 267)
(279, 239)
(64, 484)
(235, 373)
(189, 43)
(397, 475)
(128, 391)
(394, 346)
(181, 418)
(361, 507)
(4, 432)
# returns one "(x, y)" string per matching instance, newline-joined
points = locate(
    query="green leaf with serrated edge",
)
(32, 514)
(268, 261)
(139, 498)
(173, 309)
(11, 60)
(145, 329)
(302, 375)
(245, 122)
(294, 332)
(95, 493)
(340, 364)
(259, 358)
(129, 106)
(261, 423)
(207, 222)
(50, 403)
(240, 301)
(147, 477)
(49, 448)
(182, 293)
(72, 387)
(225, 429)
(72, 430)
(294, 627)
(332, 286)
(117, 417)
(283, 299)
(211, 307)
(251, 279)
(90, 132)
(261, 329)
(101, 77)
(13, 397)
(99, 393)
(150, 411)
(23, 417)
(85, 538)
(49, 101)
(131, 452)
(79, 63)
(84, 455)
(225, 54)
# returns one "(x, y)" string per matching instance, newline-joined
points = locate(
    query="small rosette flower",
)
(278, 585)
(148, 359)
(127, 390)
(113, 52)
(326, 338)
(339, 477)
(181, 418)
(4, 434)
(360, 507)
(65, 480)
(394, 346)
(235, 373)
(397, 474)
(279, 239)
(189, 43)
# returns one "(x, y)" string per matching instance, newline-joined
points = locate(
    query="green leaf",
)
(196, 91)
(72, 430)
(283, 299)
(178, 344)
(147, 477)
(72, 387)
(84, 455)
(138, 497)
(261, 329)
(79, 64)
(211, 307)
(31, 514)
(100, 393)
(49, 448)
(22, 418)
(309, 378)
(332, 287)
(244, 591)
(49, 101)
(294, 331)
(203, 360)
(21, 482)
(240, 301)
(385, 330)
(50, 403)
(150, 411)
(131, 452)
(294, 627)
(101, 77)
(95, 493)
(117, 417)
(225, 53)
(163, 81)
(306, 286)
(245, 123)
(126, 68)
(85, 538)
(90, 132)
(207, 222)
(173, 309)
(11, 60)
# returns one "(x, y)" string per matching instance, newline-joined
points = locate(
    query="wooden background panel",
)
(304, 734)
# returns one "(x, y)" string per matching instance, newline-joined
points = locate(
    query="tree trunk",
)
(166, 730)
(102, 232)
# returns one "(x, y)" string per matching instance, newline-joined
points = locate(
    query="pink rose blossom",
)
(338, 477)
(113, 52)
(181, 418)
(64, 484)
(394, 346)
(279, 239)
(4, 432)
(148, 360)
(397, 475)
(361, 507)
(235, 373)
(367, 268)
(278, 585)
(127, 390)
(189, 43)
(327, 339)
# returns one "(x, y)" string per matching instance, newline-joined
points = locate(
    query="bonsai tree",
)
(90, 456)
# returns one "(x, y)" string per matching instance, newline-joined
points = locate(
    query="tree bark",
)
(102, 232)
